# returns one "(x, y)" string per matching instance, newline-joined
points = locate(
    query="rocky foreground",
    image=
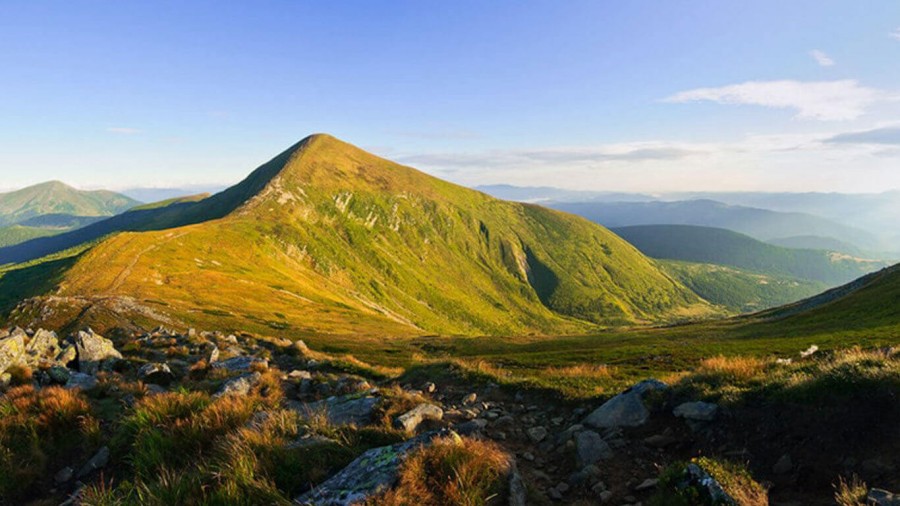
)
(637, 447)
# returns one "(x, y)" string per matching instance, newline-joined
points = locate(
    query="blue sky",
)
(634, 96)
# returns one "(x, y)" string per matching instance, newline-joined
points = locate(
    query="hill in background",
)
(724, 247)
(327, 238)
(51, 208)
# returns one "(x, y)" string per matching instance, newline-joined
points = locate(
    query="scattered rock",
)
(213, 355)
(470, 399)
(156, 373)
(347, 410)
(59, 374)
(240, 385)
(94, 351)
(429, 388)
(809, 351)
(411, 420)
(591, 448)
(238, 364)
(297, 375)
(98, 461)
(81, 380)
(518, 493)
(647, 484)
(537, 434)
(300, 347)
(698, 411)
(64, 475)
(626, 409)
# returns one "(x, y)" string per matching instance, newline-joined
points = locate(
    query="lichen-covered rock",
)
(67, 356)
(43, 348)
(346, 410)
(59, 375)
(12, 350)
(240, 385)
(94, 351)
(626, 409)
(374, 472)
(411, 420)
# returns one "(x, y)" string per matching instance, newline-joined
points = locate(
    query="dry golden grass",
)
(735, 367)
(21, 375)
(453, 471)
(850, 492)
(588, 371)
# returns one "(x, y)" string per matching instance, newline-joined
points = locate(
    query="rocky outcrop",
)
(626, 409)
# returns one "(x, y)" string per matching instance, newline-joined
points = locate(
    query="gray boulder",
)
(697, 411)
(240, 385)
(346, 410)
(411, 420)
(626, 409)
(591, 448)
(98, 461)
(156, 373)
(238, 364)
(94, 351)
(374, 472)
(81, 380)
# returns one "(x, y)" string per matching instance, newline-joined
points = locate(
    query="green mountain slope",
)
(738, 290)
(724, 247)
(329, 239)
(819, 243)
(57, 198)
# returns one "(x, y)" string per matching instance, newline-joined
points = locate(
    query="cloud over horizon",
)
(812, 100)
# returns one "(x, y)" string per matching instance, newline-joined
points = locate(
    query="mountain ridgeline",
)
(724, 247)
(326, 238)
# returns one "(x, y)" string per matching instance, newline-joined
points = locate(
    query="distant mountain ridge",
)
(328, 239)
(760, 224)
(724, 247)
(57, 198)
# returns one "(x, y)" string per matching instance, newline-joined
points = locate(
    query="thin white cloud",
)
(821, 58)
(123, 130)
(815, 100)
(895, 34)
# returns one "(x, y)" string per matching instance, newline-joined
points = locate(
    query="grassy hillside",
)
(57, 198)
(327, 238)
(724, 247)
(738, 290)
(760, 224)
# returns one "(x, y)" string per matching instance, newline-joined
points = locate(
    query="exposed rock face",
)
(12, 350)
(94, 351)
(372, 473)
(411, 420)
(626, 409)
(697, 411)
(347, 410)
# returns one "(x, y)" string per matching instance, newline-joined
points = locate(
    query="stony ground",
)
(611, 451)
